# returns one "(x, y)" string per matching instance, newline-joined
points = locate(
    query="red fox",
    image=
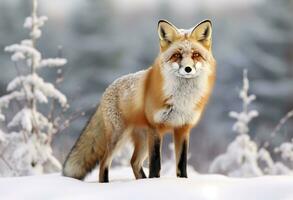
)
(169, 96)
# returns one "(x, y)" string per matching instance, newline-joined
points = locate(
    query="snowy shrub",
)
(269, 166)
(284, 164)
(286, 150)
(244, 158)
(241, 157)
(26, 147)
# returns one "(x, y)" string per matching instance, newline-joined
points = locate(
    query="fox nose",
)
(188, 69)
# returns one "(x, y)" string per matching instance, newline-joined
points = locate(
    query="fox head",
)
(186, 53)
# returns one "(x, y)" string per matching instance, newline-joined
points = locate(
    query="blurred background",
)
(104, 39)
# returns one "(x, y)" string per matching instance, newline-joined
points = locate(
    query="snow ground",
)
(124, 187)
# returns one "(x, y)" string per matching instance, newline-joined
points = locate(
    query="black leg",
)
(155, 157)
(182, 164)
(104, 175)
(142, 174)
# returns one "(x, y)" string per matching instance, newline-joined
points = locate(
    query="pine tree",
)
(26, 144)
(241, 157)
(244, 157)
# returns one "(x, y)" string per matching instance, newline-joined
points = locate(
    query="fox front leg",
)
(181, 141)
(155, 143)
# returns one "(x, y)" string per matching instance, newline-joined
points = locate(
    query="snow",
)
(123, 186)
(31, 157)
(26, 147)
(24, 118)
(4, 101)
(185, 31)
(245, 116)
(28, 23)
(46, 88)
(2, 136)
(286, 150)
(241, 157)
(35, 23)
(244, 157)
(17, 56)
(27, 42)
(40, 96)
(239, 160)
(52, 62)
(25, 49)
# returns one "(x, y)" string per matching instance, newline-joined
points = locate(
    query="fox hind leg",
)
(139, 138)
(104, 168)
(116, 139)
(113, 137)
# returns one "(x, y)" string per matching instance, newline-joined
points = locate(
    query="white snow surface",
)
(122, 186)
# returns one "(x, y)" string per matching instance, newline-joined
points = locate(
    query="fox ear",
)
(203, 33)
(167, 32)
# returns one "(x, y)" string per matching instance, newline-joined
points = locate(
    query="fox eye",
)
(196, 55)
(176, 56)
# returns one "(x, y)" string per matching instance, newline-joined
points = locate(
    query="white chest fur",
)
(183, 95)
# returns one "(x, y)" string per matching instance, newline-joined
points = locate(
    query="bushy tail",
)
(88, 149)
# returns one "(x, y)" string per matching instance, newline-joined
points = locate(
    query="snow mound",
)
(123, 186)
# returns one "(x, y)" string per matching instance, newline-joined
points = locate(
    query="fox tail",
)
(88, 149)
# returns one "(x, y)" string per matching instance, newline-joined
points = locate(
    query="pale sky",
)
(130, 5)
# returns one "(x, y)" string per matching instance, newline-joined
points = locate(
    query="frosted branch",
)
(282, 122)
(245, 116)
(19, 49)
(47, 89)
(52, 62)
(23, 118)
(286, 150)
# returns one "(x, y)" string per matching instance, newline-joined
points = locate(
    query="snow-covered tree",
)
(268, 50)
(25, 145)
(244, 157)
(241, 157)
(245, 116)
